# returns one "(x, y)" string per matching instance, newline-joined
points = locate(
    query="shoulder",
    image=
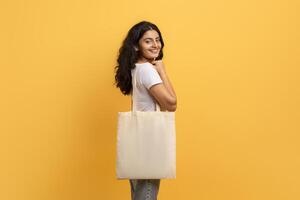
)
(148, 75)
(146, 69)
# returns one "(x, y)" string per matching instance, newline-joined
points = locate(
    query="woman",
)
(140, 56)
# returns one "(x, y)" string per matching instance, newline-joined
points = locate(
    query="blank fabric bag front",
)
(146, 144)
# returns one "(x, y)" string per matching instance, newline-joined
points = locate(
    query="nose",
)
(155, 44)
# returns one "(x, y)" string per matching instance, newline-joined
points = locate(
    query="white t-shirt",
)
(146, 77)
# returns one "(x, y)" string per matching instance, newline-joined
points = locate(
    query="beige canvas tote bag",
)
(146, 144)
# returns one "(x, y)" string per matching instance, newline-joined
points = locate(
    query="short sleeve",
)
(149, 76)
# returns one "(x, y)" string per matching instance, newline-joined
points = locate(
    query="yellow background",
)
(234, 65)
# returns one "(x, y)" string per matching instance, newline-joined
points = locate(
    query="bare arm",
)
(164, 93)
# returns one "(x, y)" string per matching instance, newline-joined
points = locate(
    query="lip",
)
(154, 51)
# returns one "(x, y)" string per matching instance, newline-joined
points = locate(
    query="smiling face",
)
(149, 46)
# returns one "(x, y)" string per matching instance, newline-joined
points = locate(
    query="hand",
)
(158, 65)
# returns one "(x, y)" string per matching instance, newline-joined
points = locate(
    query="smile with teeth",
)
(154, 51)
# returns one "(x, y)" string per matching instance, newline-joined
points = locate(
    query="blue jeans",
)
(144, 189)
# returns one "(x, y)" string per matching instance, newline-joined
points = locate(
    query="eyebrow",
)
(151, 38)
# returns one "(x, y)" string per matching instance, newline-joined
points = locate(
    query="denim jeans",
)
(144, 189)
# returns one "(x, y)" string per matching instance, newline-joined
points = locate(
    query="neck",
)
(143, 60)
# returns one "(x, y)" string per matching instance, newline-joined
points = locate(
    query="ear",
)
(135, 48)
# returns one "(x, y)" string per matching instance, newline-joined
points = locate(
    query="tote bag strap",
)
(133, 97)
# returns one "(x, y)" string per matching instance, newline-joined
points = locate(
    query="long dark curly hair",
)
(128, 56)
